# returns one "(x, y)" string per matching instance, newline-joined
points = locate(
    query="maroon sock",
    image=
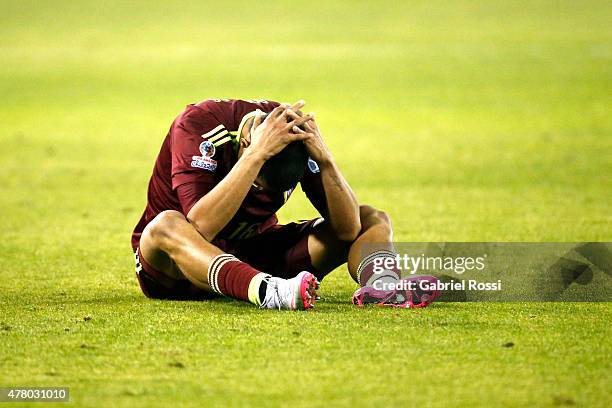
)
(231, 277)
(366, 270)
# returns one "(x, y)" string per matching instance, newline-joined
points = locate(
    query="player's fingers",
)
(299, 136)
(309, 126)
(298, 105)
(299, 121)
(283, 116)
(298, 130)
(278, 110)
(312, 125)
(294, 114)
(257, 120)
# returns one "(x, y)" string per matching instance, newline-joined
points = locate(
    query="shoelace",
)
(269, 300)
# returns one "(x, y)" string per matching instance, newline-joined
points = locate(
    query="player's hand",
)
(275, 132)
(314, 143)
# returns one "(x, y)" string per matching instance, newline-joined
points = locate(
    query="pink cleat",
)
(414, 292)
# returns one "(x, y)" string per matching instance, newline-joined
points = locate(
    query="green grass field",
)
(465, 121)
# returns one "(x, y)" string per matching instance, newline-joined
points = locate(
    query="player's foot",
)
(407, 296)
(295, 293)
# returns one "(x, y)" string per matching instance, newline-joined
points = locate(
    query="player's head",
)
(285, 169)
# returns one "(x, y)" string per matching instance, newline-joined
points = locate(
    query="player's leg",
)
(286, 250)
(372, 246)
(376, 235)
(172, 246)
(374, 240)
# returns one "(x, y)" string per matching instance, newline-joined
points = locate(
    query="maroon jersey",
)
(198, 152)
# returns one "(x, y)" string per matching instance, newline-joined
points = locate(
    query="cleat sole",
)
(410, 299)
(308, 294)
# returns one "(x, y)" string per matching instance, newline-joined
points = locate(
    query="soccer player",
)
(209, 227)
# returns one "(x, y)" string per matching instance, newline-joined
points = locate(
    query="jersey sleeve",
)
(312, 185)
(201, 144)
(193, 152)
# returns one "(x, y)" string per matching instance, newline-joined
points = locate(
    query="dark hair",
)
(285, 169)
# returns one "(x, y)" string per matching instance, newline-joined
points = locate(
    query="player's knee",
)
(162, 226)
(371, 216)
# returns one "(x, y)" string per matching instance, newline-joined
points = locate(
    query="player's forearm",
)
(342, 205)
(214, 211)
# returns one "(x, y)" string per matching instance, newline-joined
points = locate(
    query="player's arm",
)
(211, 213)
(342, 206)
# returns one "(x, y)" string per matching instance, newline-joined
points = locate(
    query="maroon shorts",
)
(281, 250)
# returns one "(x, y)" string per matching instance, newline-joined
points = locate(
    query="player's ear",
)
(245, 138)
(244, 143)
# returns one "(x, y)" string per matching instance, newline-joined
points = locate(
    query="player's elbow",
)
(204, 229)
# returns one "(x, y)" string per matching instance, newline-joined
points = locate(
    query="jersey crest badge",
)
(205, 161)
(207, 148)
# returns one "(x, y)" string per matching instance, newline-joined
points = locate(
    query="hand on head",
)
(310, 130)
(271, 135)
